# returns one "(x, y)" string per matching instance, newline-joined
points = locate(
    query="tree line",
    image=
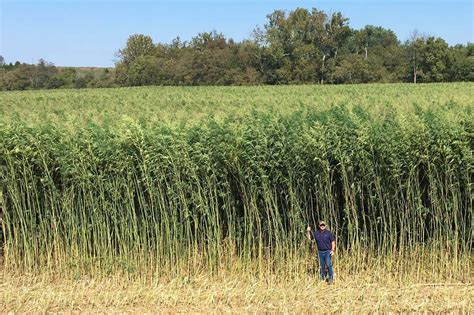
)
(45, 75)
(297, 47)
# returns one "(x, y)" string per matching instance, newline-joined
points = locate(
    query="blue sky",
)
(88, 33)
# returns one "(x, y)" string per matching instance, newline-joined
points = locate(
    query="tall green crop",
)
(142, 195)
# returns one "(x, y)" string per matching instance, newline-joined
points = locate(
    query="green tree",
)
(80, 83)
(373, 38)
(414, 46)
(19, 78)
(66, 76)
(135, 58)
(248, 59)
(143, 70)
(354, 68)
(299, 40)
(434, 60)
(138, 45)
(41, 74)
(462, 68)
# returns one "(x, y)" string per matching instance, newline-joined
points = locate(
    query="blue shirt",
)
(323, 239)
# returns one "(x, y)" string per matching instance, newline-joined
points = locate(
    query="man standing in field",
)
(326, 247)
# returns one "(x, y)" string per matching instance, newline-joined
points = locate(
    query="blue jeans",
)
(325, 262)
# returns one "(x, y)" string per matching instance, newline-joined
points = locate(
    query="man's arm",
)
(333, 247)
(308, 233)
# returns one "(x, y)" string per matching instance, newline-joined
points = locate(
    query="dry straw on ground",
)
(231, 294)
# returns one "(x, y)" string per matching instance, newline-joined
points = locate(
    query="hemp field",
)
(197, 198)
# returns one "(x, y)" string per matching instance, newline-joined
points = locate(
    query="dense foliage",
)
(298, 47)
(392, 176)
(45, 75)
